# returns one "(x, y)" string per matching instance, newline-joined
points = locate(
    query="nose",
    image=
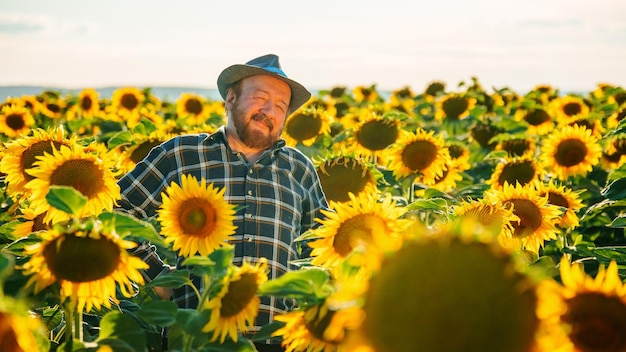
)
(273, 108)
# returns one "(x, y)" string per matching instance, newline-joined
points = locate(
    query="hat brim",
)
(234, 73)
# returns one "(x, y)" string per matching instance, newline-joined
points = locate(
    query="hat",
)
(263, 65)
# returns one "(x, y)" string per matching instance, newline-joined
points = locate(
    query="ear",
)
(230, 98)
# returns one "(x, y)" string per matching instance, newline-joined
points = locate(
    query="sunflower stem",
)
(69, 333)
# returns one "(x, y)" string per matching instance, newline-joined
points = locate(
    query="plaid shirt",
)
(279, 198)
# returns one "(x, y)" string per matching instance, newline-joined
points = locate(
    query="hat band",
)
(275, 70)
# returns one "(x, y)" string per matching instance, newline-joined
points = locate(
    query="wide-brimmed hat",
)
(263, 65)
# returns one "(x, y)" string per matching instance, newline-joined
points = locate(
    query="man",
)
(275, 186)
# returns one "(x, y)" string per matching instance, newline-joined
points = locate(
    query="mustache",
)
(264, 118)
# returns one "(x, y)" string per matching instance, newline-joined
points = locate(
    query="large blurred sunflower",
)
(571, 150)
(21, 154)
(88, 173)
(425, 297)
(537, 218)
(15, 121)
(583, 314)
(341, 175)
(306, 125)
(421, 154)
(88, 264)
(195, 217)
(236, 305)
(359, 223)
(20, 329)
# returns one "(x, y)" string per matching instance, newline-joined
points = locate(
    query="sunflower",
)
(539, 120)
(433, 90)
(402, 100)
(568, 108)
(483, 132)
(459, 155)
(357, 224)
(515, 170)
(565, 198)
(537, 218)
(129, 155)
(454, 107)
(583, 313)
(88, 105)
(73, 166)
(517, 147)
(365, 94)
(615, 118)
(374, 133)
(446, 181)
(493, 216)
(87, 263)
(53, 107)
(127, 101)
(306, 125)
(15, 121)
(318, 328)
(402, 313)
(20, 330)
(192, 108)
(543, 93)
(594, 125)
(21, 154)
(341, 175)
(420, 153)
(29, 222)
(236, 306)
(571, 150)
(195, 217)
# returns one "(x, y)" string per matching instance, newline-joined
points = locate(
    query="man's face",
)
(259, 112)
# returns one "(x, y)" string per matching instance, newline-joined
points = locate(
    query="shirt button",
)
(249, 192)
(250, 172)
(248, 215)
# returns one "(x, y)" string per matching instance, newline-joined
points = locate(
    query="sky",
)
(572, 45)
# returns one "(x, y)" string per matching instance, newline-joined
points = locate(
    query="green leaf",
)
(304, 283)
(267, 330)
(160, 313)
(615, 190)
(120, 138)
(66, 198)
(192, 321)
(619, 222)
(174, 279)
(435, 204)
(118, 326)
(17, 247)
(131, 228)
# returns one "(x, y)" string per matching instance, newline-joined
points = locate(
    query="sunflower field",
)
(462, 219)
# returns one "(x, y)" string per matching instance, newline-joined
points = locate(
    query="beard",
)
(253, 138)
